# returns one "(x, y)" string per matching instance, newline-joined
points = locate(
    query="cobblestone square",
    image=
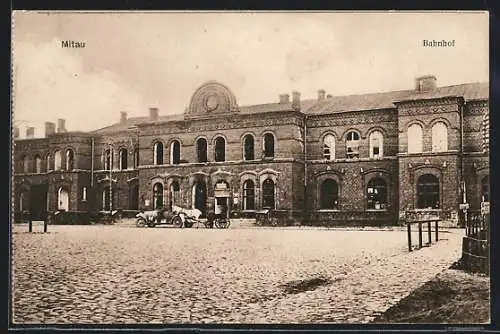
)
(113, 274)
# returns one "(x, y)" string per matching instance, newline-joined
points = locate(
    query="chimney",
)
(50, 128)
(425, 83)
(16, 132)
(153, 114)
(61, 125)
(123, 117)
(295, 100)
(30, 132)
(284, 98)
(321, 94)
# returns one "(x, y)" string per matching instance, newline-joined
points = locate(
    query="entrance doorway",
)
(221, 195)
(38, 201)
(62, 199)
(200, 197)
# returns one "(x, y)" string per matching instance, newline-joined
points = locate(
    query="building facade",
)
(333, 159)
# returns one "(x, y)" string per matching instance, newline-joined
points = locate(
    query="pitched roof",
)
(134, 121)
(334, 104)
(385, 100)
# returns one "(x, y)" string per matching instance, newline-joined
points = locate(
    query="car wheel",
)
(140, 222)
(177, 221)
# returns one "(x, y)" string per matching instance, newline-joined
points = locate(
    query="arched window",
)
(70, 159)
(175, 194)
(38, 164)
(201, 150)
(62, 199)
(25, 164)
(248, 195)
(439, 137)
(376, 144)
(376, 194)
(136, 158)
(329, 147)
(415, 140)
(268, 145)
(329, 195)
(248, 148)
(220, 149)
(158, 153)
(57, 160)
(175, 152)
(107, 198)
(108, 159)
(49, 162)
(158, 196)
(123, 155)
(268, 201)
(428, 192)
(485, 189)
(352, 144)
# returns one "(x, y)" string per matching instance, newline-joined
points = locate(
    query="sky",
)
(133, 61)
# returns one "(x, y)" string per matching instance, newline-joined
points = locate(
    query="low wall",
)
(352, 218)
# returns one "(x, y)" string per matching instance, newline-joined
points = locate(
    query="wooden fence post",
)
(409, 236)
(437, 223)
(419, 234)
(429, 234)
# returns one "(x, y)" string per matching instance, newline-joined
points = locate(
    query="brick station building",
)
(332, 159)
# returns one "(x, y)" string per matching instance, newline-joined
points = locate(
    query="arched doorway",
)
(158, 196)
(268, 198)
(199, 199)
(222, 194)
(248, 195)
(175, 194)
(62, 199)
(329, 195)
(428, 192)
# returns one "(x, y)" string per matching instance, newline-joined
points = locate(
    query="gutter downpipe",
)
(91, 206)
(305, 170)
(462, 179)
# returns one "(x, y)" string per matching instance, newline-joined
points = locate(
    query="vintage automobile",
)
(159, 217)
(179, 217)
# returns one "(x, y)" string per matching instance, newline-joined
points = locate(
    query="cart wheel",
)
(177, 221)
(221, 223)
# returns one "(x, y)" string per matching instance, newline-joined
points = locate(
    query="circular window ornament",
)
(211, 102)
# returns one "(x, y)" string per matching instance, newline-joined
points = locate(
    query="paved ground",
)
(111, 274)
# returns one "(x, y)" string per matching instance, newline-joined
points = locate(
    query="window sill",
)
(377, 210)
(328, 210)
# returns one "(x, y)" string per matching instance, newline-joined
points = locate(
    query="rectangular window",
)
(352, 151)
(84, 194)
